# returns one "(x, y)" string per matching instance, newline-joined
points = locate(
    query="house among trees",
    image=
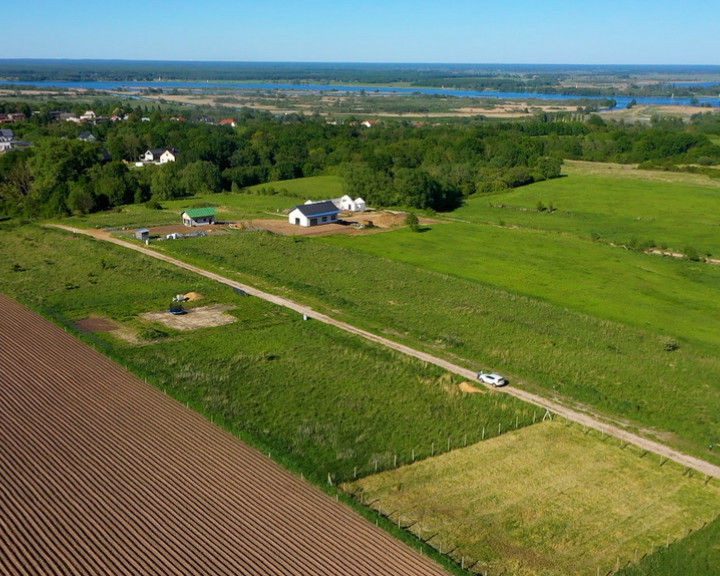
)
(314, 214)
(159, 156)
(198, 217)
(347, 203)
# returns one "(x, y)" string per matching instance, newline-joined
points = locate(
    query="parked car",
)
(492, 379)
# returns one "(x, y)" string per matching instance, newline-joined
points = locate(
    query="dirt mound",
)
(193, 296)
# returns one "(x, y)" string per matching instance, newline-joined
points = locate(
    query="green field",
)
(541, 296)
(618, 205)
(548, 500)
(323, 401)
(597, 362)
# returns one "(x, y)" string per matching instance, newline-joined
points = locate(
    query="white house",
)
(198, 217)
(159, 155)
(314, 214)
(347, 203)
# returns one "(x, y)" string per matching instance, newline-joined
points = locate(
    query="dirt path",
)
(555, 408)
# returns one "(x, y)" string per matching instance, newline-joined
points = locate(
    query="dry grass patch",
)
(204, 317)
(548, 499)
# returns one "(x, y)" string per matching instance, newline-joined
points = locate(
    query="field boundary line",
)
(554, 407)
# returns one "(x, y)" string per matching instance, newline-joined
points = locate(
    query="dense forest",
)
(391, 163)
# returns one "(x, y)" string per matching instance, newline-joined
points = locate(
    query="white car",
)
(491, 378)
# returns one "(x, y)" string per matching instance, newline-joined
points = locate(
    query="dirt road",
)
(555, 408)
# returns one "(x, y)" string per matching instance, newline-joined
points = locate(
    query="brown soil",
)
(381, 221)
(192, 296)
(470, 388)
(204, 317)
(104, 474)
(95, 324)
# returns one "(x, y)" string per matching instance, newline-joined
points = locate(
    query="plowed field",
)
(101, 473)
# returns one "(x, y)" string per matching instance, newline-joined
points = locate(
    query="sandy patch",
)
(204, 317)
(470, 388)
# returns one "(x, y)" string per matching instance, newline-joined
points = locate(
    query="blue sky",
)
(501, 31)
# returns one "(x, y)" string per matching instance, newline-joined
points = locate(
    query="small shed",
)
(314, 214)
(198, 217)
(142, 234)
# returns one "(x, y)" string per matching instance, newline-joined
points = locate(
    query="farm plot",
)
(103, 474)
(548, 499)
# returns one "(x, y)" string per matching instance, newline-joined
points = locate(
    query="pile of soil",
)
(193, 296)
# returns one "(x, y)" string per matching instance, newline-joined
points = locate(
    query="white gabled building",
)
(314, 214)
(159, 156)
(347, 203)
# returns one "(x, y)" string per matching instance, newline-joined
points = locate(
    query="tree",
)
(412, 221)
(201, 177)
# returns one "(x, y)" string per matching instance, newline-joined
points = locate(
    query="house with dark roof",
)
(198, 217)
(314, 214)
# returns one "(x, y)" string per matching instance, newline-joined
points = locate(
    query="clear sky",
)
(479, 31)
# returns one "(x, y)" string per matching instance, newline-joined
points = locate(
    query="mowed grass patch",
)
(548, 499)
(668, 296)
(614, 206)
(619, 370)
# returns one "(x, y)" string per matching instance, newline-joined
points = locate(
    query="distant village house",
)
(159, 156)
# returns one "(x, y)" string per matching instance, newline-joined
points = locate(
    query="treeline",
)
(395, 163)
(550, 79)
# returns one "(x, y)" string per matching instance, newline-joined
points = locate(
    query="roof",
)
(200, 212)
(318, 208)
(142, 230)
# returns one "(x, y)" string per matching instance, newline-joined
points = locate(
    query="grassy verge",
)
(548, 500)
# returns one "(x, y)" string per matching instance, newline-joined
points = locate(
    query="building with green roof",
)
(199, 216)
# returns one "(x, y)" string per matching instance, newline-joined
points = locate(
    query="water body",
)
(134, 87)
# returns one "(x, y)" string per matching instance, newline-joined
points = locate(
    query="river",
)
(133, 87)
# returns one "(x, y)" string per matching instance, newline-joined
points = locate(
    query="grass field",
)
(612, 203)
(546, 500)
(596, 362)
(319, 399)
(262, 201)
(664, 295)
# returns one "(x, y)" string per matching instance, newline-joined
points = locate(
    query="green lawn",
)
(618, 209)
(321, 400)
(311, 188)
(664, 295)
(547, 500)
(621, 370)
